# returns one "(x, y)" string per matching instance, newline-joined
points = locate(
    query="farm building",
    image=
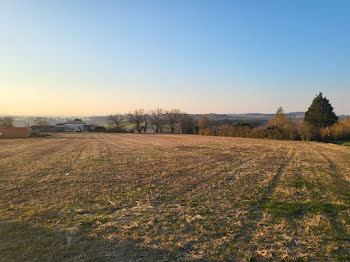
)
(60, 127)
(14, 132)
(76, 125)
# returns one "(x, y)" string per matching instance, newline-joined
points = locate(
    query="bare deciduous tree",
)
(117, 120)
(146, 120)
(137, 119)
(157, 119)
(41, 121)
(187, 124)
(203, 123)
(6, 121)
(172, 118)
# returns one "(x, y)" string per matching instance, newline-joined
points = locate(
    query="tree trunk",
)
(328, 131)
(329, 137)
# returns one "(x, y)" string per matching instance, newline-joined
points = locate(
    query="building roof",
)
(75, 121)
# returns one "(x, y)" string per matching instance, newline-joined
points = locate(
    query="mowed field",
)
(128, 197)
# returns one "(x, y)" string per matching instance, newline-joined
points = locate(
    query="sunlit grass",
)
(126, 197)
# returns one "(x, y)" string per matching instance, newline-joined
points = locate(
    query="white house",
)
(76, 125)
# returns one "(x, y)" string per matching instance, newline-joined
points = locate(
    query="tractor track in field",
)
(335, 174)
(246, 232)
(28, 149)
(273, 184)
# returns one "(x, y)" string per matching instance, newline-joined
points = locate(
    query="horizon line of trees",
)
(320, 123)
(159, 120)
(8, 121)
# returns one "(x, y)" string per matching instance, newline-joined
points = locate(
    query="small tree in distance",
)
(173, 117)
(6, 121)
(146, 120)
(203, 123)
(41, 121)
(281, 126)
(117, 120)
(137, 119)
(157, 119)
(187, 124)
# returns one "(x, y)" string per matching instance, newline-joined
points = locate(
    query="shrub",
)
(241, 130)
(339, 131)
(260, 132)
(203, 123)
(281, 126)
(100, 129)
(207, 132)
(307, 132)
(223, 130)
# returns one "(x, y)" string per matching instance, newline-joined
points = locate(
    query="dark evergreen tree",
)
(320, 113)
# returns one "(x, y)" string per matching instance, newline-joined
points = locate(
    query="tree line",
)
(159, 120)
(8, 121)
(320, 124)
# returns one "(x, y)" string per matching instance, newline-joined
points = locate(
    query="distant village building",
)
(14, 132)
(76, 125)
(59, 127)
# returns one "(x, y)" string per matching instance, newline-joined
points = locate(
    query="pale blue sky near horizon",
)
(100, 57)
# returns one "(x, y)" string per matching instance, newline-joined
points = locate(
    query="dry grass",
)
(126, 197)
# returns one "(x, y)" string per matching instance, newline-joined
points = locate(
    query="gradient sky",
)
(101, 57)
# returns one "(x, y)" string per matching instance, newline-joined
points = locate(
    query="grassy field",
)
(128, 197)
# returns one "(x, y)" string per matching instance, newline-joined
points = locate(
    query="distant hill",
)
(254, 115)
(255, 119)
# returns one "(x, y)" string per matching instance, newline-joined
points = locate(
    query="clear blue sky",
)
(100, 57)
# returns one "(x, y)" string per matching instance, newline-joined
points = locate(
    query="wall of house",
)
(74, 127)
(14, 132)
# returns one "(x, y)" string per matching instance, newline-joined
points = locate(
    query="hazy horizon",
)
(106, 115)
(87, 58)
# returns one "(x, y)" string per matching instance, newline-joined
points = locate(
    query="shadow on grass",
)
(290, 211)
(295, 210)
(24, 242)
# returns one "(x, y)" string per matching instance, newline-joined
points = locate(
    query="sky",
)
(86, 57)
